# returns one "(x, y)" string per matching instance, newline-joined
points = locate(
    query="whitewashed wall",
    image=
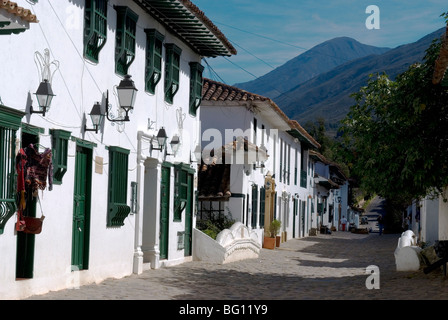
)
(78, 84)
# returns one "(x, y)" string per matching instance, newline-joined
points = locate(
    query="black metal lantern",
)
(161, 139)
(175, 144)
(97, 117)
(127, 92)
(44, 95)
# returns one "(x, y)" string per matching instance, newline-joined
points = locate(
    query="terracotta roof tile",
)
(217, 91)
(13, 8)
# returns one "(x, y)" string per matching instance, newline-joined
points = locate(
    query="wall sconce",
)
(161, 139)
(127, 92)
(97, 118)
(175, 144)
(44, 95)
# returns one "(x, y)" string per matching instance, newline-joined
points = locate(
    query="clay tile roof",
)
(299, 128)
(20, 12)
(217, 91)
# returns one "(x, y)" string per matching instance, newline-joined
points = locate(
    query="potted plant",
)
(269, 242)
(274, 228)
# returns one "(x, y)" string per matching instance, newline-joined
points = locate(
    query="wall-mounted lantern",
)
(161, 140)
(44, 95)
(126, 92)
(175, 144)
(96, 116)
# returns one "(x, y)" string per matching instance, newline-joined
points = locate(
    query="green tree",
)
(397, 133)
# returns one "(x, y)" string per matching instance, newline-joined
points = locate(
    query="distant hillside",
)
(319, 59)
(328, 95)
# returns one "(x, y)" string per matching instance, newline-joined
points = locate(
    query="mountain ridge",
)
(309, 64)
(328, 94)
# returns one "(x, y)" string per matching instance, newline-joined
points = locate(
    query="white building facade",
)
(118, 201)
(263, 171)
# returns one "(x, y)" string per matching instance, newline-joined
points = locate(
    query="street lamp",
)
(161, 139)
(127, 92)
(175, 143)
(97, 117)
(44, 95)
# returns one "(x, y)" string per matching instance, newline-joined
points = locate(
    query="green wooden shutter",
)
(182, 189)
(118, 209)
(125, 39)
(95, 28)
(262, 205)
(10, 122)
(172, 70)
(60, 153)
(196, 70)
(254, 205)
(153, 69)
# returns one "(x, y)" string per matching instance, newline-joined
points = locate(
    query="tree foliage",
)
(397, 133)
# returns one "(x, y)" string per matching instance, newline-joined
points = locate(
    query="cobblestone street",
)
(320, 267)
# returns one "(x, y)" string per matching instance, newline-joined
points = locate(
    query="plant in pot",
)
(274, 228)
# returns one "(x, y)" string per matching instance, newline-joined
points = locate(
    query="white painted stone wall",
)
(234, 244)
(78, 84)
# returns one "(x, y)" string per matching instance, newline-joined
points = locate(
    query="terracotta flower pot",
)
(269, 243)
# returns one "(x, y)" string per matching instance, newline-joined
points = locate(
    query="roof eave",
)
(190, 24)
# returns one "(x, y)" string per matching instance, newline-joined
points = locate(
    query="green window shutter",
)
(10, 122)
(60, 151)
(196, 70)
(262, 205)
(172, 70)
(153, 70)
(181, 186)
(125, 39)
(254, 205)
(117, 209)
(95, 28)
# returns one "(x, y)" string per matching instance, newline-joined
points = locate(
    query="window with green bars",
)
(118, 208)
(172, 71)
(10, 122)
(60, 153)
(125, 39)
(95, 28)
(196, 70)
(153, 70)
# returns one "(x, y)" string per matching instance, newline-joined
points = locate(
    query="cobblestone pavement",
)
(329, 267)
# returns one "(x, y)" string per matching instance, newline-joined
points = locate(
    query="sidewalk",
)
(319, 267)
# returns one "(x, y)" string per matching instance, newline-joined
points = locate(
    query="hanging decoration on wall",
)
(34, 173)
(45, 66)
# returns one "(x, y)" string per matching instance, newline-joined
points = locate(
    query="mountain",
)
(319, 59)
(327, 95)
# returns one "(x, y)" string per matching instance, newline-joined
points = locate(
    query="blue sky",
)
(268, 33)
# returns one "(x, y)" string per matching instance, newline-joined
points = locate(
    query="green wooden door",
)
(81, 205)
(189, 217)
(164, 211)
